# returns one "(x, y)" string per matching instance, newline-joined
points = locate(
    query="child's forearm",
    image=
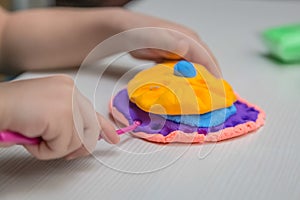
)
(3, 102)
(39, 39)
(53, 38)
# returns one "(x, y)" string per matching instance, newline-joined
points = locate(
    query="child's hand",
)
(53, 109)
(49, 32)
(186, 43)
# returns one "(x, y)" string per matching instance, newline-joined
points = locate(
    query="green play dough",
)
(284, 42)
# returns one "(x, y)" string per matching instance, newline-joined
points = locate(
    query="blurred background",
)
(25, 4)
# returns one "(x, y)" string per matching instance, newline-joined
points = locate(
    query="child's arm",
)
(62, 37)
(52, 38)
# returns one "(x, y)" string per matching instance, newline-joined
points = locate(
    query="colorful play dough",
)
(226, 115)
(155, 128)
(158, 90)
(209, 119)
(185, 69)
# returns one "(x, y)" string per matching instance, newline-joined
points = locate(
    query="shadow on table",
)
(279, 62)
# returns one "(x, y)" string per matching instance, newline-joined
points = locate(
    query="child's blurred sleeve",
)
(2, 77)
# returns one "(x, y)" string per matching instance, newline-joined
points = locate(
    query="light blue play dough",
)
(210, 119)
(185, 69)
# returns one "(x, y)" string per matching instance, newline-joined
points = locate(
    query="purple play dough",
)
(152, 123)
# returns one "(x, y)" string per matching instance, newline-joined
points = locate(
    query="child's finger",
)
(56, 143)
(4, 145)
(108, 132)
(81, 152)
(200, 53)
(90, 120)
(66, 142)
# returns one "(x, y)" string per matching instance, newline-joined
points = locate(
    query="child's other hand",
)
(53, 109)
(186, 43)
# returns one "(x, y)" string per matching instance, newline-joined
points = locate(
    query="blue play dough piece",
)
(185, 69)
(210, 119)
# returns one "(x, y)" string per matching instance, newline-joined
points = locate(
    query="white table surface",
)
(263, 165)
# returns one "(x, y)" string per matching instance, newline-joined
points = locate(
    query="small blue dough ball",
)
(184, 69)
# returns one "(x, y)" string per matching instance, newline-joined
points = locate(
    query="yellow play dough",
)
(158, 90)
